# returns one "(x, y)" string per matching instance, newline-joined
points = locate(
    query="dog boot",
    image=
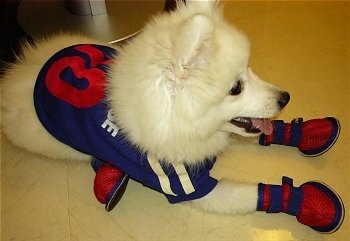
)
(312, 138)
(110, 183)
(314, 204)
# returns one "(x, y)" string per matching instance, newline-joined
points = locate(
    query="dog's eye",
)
(237, 89)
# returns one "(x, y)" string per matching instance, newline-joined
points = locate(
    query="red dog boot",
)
(312, 137)
(314, 204)
(110, 183)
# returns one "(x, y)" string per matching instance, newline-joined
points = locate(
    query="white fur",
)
(185, 74)
(168, 91)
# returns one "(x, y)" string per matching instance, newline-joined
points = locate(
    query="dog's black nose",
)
(284, 99)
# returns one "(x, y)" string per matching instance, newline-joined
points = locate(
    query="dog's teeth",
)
(241, 119)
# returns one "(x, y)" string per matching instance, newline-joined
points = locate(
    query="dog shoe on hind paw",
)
(312, 138)
(109, 184)
(313, 203)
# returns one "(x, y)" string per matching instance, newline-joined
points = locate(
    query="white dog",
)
(173, 97)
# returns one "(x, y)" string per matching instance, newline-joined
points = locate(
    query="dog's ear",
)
(192, 41)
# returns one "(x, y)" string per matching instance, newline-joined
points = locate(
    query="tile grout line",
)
(68, 211)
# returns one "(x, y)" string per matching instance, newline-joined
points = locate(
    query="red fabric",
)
(269, 138)
(93, 93)
(267, 198)
(315, 134)
(105, 179)
(287, 133)
(286, 188)
(267, 201)
(317, 208)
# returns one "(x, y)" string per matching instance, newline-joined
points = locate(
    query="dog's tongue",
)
(264, 125)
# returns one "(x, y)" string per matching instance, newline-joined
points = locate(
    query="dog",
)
(174, 97)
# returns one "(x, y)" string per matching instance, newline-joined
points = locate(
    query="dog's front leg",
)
(313, 203)
(231, 198)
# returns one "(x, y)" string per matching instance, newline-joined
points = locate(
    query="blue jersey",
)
(69, 100)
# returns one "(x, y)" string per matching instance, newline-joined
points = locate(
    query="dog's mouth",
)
(253, 125)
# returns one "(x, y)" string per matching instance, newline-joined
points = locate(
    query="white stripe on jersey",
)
(162, 177)
(184, 178)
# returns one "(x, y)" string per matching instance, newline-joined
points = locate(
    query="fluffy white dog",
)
(173, 96)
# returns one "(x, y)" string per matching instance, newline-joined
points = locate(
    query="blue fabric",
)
(296, 197)
(69, 104)
(276, 198)
(261, 197)
(296, 132)
(279, 131)
(96, 164)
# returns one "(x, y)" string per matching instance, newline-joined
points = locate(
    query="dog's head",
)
(253, 103)
(183, 85)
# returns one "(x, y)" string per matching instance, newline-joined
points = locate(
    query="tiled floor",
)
(301, 46)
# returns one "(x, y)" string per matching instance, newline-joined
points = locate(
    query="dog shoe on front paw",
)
(313, 203)
(312, 138)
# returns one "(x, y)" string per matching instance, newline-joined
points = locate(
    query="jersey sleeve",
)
(180, 182)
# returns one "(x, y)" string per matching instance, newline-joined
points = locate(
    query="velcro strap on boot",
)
(296, 197)
(296, 132)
